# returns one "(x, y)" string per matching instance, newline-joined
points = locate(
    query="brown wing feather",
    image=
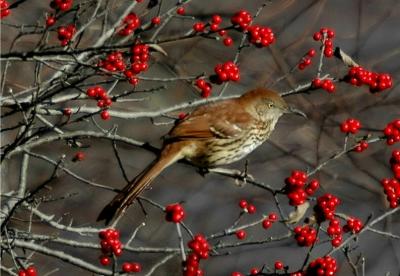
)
(201, 123)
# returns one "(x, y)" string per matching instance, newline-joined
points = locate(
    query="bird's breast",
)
(216, 152)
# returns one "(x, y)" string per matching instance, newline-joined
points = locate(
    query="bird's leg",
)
(241, 177)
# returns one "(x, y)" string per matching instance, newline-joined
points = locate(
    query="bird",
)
(214, 134)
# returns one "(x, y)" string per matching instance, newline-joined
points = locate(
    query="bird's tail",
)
(129, 193)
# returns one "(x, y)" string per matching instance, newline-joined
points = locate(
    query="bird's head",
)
(268, 104)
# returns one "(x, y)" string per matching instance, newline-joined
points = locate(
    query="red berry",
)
(50, 21)
(251, 209)
(136, 267)
(266, 224)
(254, 271)
(273, 216)
(242, 203)
(79, 156)
(127, 267)
(180, 11)
(198, 27)
(31, 271)
(240, 234)
(105, 115)
(278, 265)
(317, 36)
(104, 260)
(228, 41)
(67, 111)
(156, 20)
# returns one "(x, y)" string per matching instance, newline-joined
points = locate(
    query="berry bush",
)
(89, 87)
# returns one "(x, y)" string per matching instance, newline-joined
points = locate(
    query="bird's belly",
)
(226, 151)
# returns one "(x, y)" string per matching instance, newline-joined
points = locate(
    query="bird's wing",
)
(221, 120)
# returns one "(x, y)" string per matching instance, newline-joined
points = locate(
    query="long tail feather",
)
(131, 191)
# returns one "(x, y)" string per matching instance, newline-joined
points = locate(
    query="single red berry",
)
(79, 156)
(278, 265)
(317, 36)
(127, 267)
(104, 260)
(31, 271)
(240, 234)
(228, 41)
(198, 27)
(50, 21)
(156, 20)
(251, 209)
(242, 203)
(67, 111)
(254, 271)
(105, 115)
(136, 267)
(22, 272)
(235, 273)
(311, 52)
(273, 216)
(180, 11)
(266, 224)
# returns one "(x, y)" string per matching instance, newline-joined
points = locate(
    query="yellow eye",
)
(270, 105)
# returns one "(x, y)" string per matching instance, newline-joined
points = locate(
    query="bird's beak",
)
(296, 111)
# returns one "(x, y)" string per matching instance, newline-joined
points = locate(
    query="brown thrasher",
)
(212, 135)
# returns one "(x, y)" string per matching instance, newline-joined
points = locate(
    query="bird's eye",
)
(270, 105)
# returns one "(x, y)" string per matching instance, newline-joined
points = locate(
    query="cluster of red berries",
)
(353, 225)
(267, 222)
(174, 213)
(326, 35)
(361, 146)
(335, 232)
(130, 23)
(4, 6)
(296, 189)
(103, 101)
(305, 236)
(110, 244)
(395, 163)
(376, 81)
(205, 87)
(247, 207)
(227, 72)
(131, 267)
(325, 84)
(62, 5)
(306, 59)
(391, 188)
(350, 125)
(260, 36)
(216, 20)
(140, 57)
(114, 62)
(324, 266)
(392, 132)
(326, 207)
(65, 33)
(242, 19)
(200, 250)
(29, 271)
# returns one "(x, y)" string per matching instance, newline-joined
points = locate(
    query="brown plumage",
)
(214, 134)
